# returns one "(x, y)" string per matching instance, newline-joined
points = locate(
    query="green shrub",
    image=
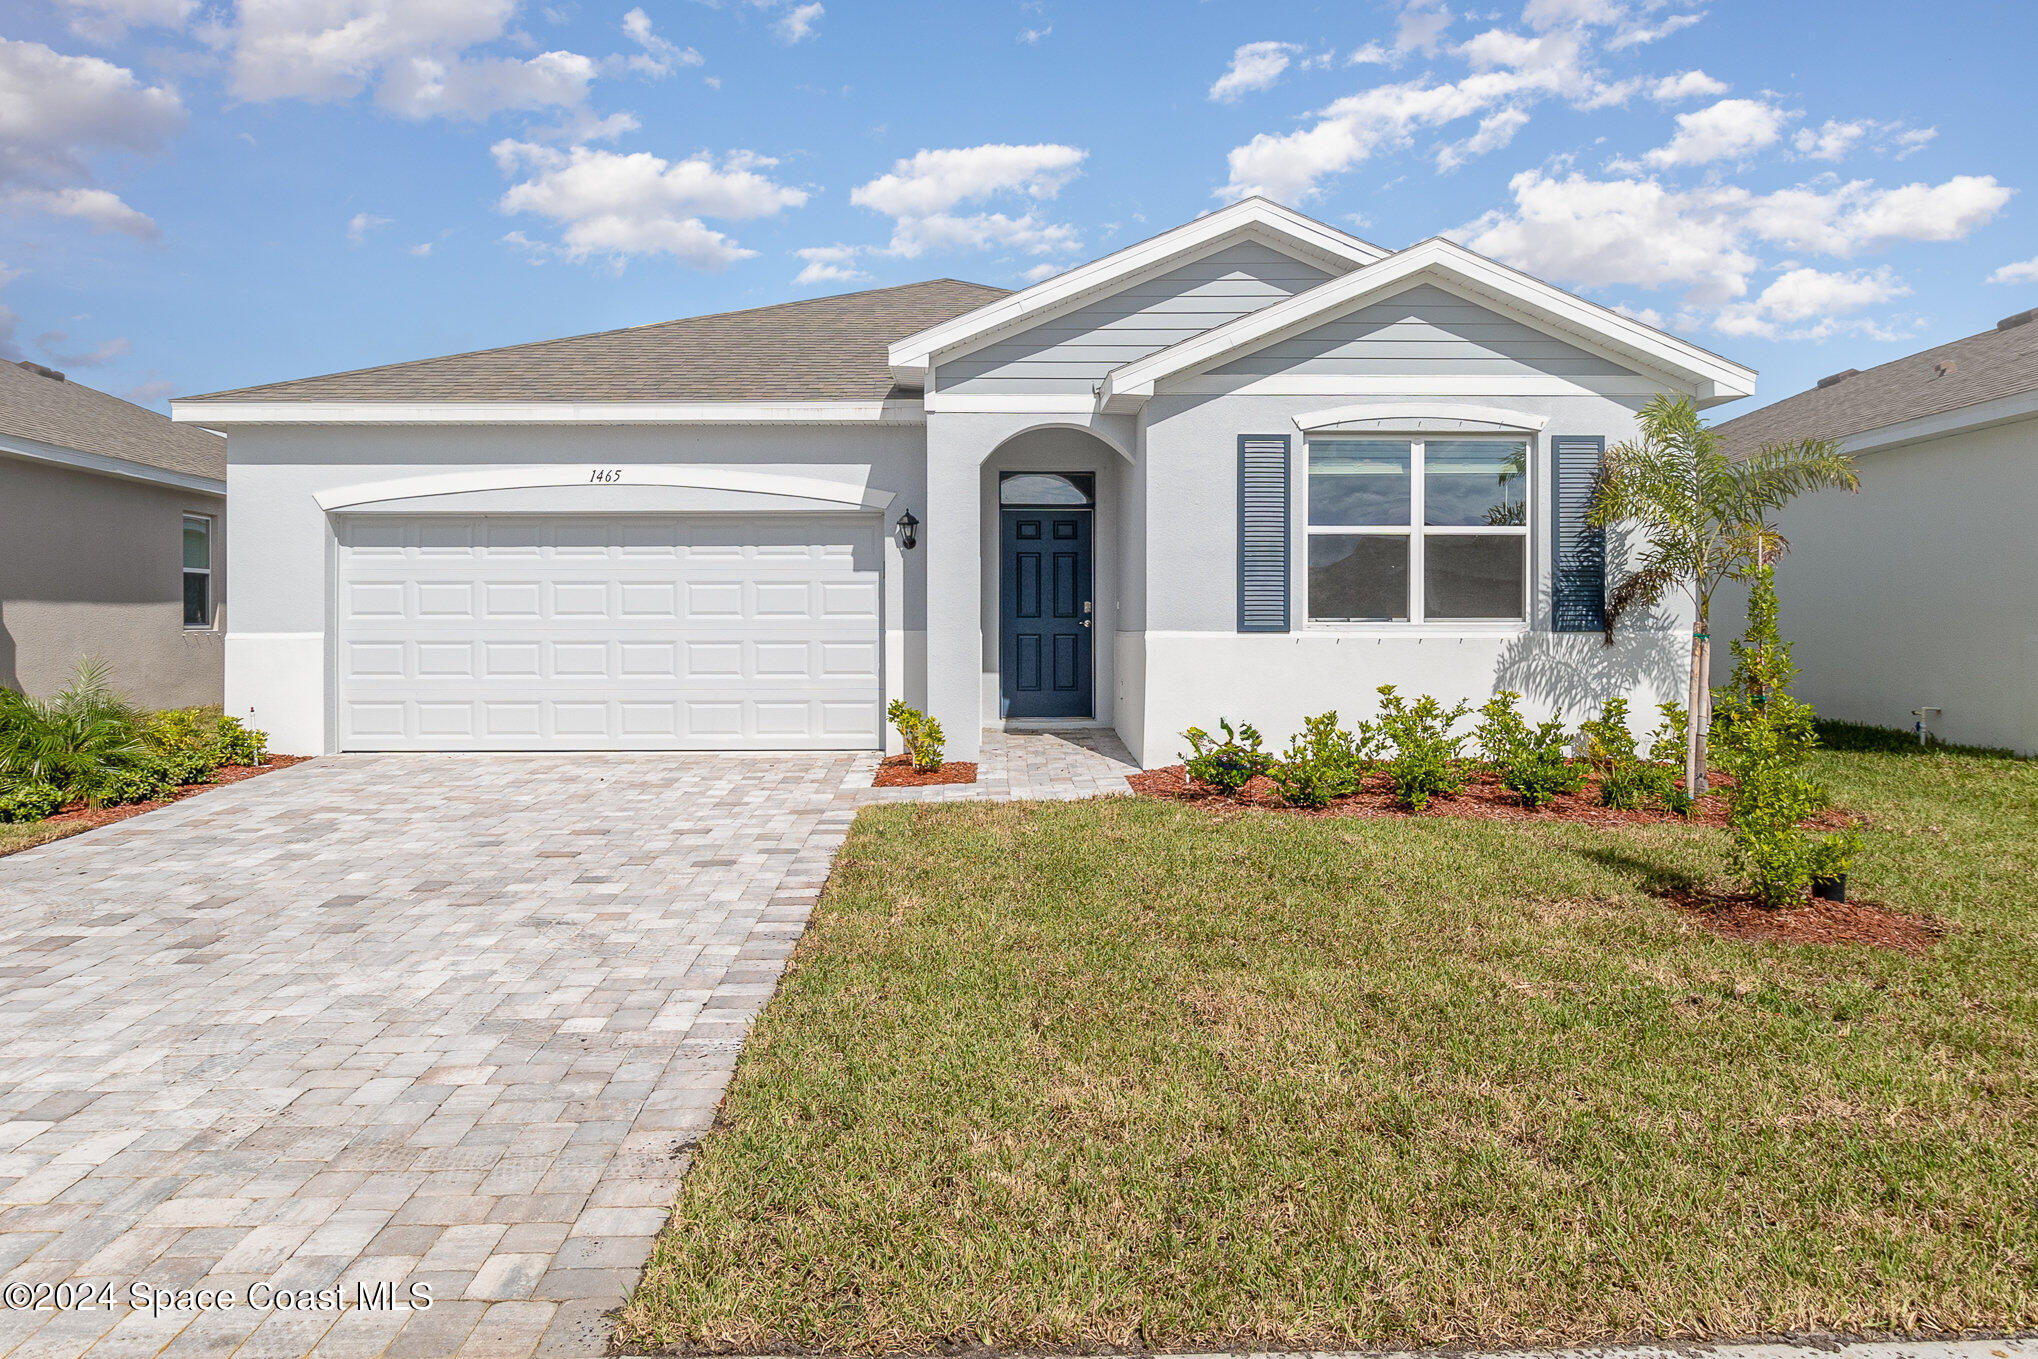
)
(29, 800)
(1229, 764)
(1628, 780)
(921, 734)
(1529, 760)
(150, 779)
(1763, 737)
(1426, 761)
(1323, 761)
(240, 743)
(75, 740)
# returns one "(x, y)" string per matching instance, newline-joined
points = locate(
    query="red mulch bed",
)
(1483, 799)
(1811, 921)
(896, 771)
(106, 816)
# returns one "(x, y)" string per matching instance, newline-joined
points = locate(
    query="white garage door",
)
(573, 632)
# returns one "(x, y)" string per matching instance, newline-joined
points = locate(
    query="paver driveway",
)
(445, 1020)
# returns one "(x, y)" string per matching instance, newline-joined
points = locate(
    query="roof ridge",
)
(593, 334)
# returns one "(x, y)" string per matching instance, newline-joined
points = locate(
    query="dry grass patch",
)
(1121, 1073)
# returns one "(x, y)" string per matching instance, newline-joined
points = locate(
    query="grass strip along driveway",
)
(1127, 1073)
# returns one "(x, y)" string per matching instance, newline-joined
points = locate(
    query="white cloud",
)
(1372, 54)
(1730, 129)
(1495, 131)
(797, 24)
(1636, 232)
(616, 206)
(1836, 139)
(361, 223)
(55, 110)
(150, 393)
(931, 181)
(1254, 66)
(829, 264)
(1042, 271)
(2023, 271)
(1810, 303)
(107, 21)
(920, 192)
(1686, 85)
(416, 56)
(1636, 33)
(100, 209)
(55, 345)
(1422, 25)
(660, 55)
(420, 250)
(10, 322)
(1032, 36)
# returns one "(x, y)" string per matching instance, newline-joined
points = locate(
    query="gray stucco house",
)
(1252, 467)
(1915, 603)
(112, 542)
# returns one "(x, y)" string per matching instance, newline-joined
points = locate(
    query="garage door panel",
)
(520, 632)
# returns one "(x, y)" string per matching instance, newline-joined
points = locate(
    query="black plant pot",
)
(1830, 889)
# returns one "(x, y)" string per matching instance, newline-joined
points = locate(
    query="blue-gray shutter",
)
(1578, 551)
(1263, 533)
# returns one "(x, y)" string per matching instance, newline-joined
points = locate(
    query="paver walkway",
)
(433, 1020)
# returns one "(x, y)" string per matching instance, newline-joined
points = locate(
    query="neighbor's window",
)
(1418, 530)
(197, 572)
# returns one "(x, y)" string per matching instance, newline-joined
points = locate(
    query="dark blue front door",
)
(1045, 617)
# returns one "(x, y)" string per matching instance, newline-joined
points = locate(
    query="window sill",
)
(1496, 629)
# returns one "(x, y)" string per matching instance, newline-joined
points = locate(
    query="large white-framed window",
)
(197, 571)
(1430, 529)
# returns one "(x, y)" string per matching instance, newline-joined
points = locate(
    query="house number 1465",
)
(606, 474)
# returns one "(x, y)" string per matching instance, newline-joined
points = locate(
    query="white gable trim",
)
(1254, 218)
(1418, 417)
(1712, 378)
(524, 478)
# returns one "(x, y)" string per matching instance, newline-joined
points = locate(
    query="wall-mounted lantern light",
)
(907, 525)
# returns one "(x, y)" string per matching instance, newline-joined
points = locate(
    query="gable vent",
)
(1841, 376)
(2021, 318)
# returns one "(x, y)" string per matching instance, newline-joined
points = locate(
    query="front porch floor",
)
(1032, 762)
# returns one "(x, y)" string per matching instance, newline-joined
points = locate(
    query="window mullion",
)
(1417, 605)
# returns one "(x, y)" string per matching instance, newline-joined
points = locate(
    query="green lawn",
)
(1127, 1073)
(19, 835)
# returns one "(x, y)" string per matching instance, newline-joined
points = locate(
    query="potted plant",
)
(1830, 859)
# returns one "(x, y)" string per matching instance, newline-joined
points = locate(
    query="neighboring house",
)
(112, 542)
(1250, 468)
(1917, 599)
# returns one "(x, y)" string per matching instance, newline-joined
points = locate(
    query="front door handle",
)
(1084, 621)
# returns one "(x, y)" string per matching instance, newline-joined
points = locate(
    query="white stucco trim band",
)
(548, 412)
(106, 465)
(843, 493)
(1422, 418)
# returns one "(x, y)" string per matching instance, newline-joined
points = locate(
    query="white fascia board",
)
(2000, 411)
(1134, 382)
(1280, 226)
(1013, 403)
(106, 465)
(548, 412)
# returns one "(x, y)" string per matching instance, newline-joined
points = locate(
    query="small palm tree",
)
(73, 740)
(1703, 519)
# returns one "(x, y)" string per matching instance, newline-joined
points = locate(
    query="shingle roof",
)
(820, 349)
(73, 416)
(1995, 363)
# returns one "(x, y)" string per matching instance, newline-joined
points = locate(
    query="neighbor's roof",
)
(66, 414)
(1996, 363)
(822, 349)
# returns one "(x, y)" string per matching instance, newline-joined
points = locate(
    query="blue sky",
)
(196, 195)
